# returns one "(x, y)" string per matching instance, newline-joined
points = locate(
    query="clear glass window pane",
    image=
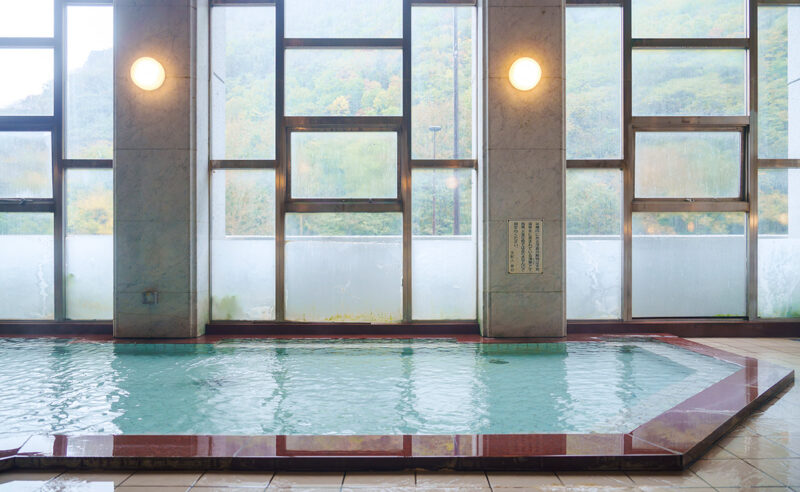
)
(89, 128)
(26, 266)
(344, 165)
(779, 82)
(344, 82)
(26, 18)
(688, 164)
(26, 165)
(689, 82)
(90, 244)
(594, 82)
(444, 248)
(243, 82)
(689, 19)
(689, 265)
(344, 267)
(779, 243)
(26, 82)
(594, 244)
(243, 244)
(439, 99)
(344, 18)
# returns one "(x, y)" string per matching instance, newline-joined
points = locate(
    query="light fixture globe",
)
(525, 73)
(147, 73)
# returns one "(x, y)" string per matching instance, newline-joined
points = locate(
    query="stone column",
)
(793, 80)
(524, 168)
(161, 177)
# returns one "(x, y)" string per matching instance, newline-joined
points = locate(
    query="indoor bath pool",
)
(344, 387)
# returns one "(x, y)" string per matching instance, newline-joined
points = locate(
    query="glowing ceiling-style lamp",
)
(525, 74)
(147, 73)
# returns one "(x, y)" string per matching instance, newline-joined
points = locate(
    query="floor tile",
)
(755, 447)
(151, 489)
(22, 485)
(594, 479)
(378, 480)
(686, 478)
(445, 479)
(227, 489)
(717, 453)
(732, 473)
(117, 478)
(27, 476)
(161, 479)
(785, 471)
(241, 479)
(521, 479)
(77, 486)
(299, 480)
(656, 488)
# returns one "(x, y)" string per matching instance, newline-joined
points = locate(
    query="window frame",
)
(55, 125)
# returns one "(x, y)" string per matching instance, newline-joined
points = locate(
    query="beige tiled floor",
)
(761, 454)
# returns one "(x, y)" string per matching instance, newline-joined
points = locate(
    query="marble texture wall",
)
(524, 168)
(161, 183)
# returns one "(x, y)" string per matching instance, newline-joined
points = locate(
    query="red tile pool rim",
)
(670, 441)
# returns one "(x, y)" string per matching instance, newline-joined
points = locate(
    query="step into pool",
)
(344, 387)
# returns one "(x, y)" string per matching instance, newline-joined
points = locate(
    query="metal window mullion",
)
(752, 166)
(690, 43)
(243, 164)
(27, 205)
(343, 123)
(444, 163)
(444, 3)
(281, 163)
(628, 158)
(87, 163)
(59, 217)
(28, 43)
(675, 205)
(689, 123)
(405, 164)
(27, 123)
(777, 163)
(596, 164)
(344, 43)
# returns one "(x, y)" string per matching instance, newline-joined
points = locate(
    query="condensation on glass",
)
(689, 19)
(89, 122)
(344, 267)
(344, 18)
(26, 165)
(594, 82)
(689, 82)
(89, 250)
(442, 112)
(779, 243)
(369, 82)
(344, 165)
(243, 82)
(689, 265)
(688, 164)
(26, 18)
(594, 244)
(243, 244)
(779, 82)
(26, 84)
(444, 267)
(26, 266)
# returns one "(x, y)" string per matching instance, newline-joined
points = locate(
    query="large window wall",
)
(56, 150)
(683, 156)
(343, 160)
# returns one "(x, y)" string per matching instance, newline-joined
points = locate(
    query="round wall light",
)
(147, 73)
(525, 74)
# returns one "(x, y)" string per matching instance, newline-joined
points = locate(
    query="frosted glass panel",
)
(26, 266)
(344, 267)
(26, 82)
(243, 82)
(594, 244)
(344, 165)
(243, 245)
(689, 82)
(689, 265)
(688, 164)
(444, 262)
(344, 82)
(779, 243)
(439, 99)
(89, 130)
(344, 18)
(26, 18)
(26, 165)
(689, 19)
(90, 244)
(594, 82)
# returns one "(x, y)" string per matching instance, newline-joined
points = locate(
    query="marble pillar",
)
(161, 177)
(523, 168)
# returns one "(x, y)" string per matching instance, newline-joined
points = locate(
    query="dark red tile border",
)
(671, 441)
